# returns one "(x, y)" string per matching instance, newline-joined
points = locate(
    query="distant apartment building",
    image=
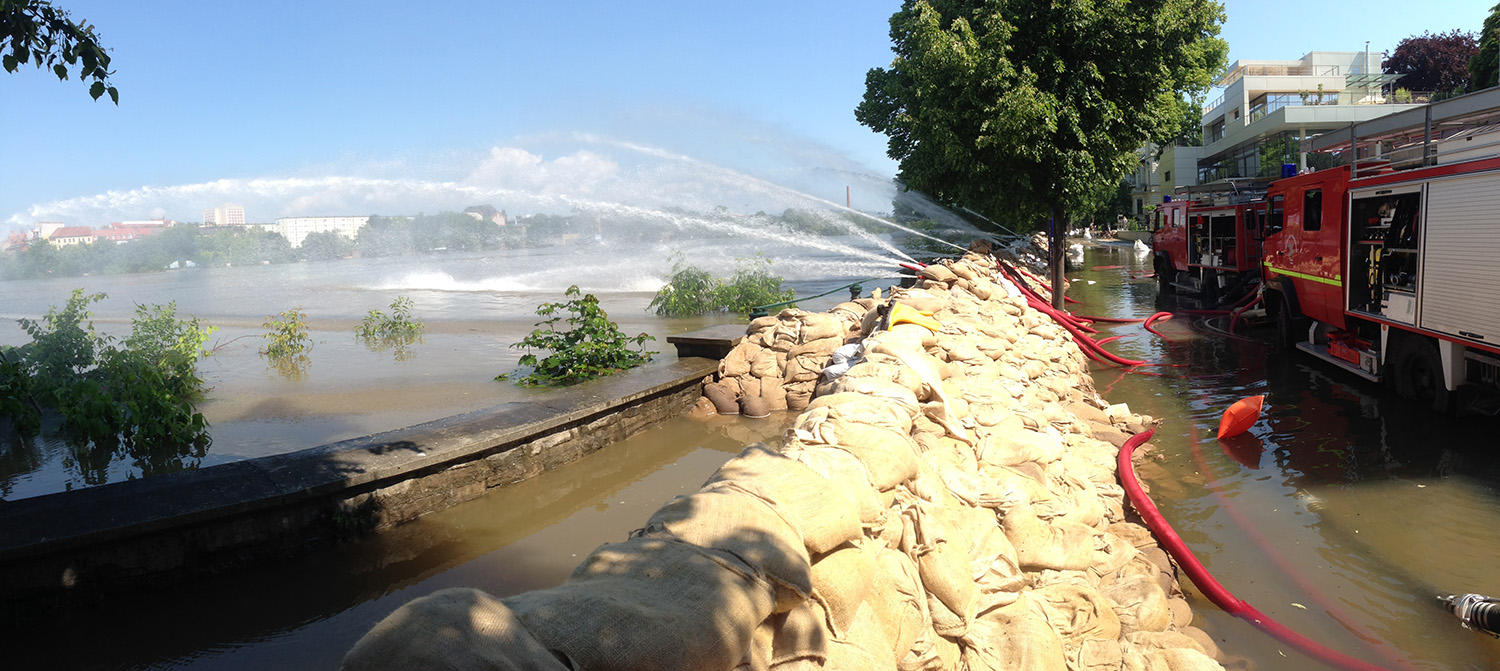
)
(1265, 112)
(487, 213)
(71, 235)
(226, 215)
(296, 229)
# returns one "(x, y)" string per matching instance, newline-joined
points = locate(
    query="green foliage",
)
(398, 331)
(1484, 65)
(325, 246)
(36, 32)
(1026, 108)
(136, 398)
(692, 291)
(753, 285)
(287, 342)
(591, 346)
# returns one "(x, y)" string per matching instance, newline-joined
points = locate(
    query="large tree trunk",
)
(1056, 241)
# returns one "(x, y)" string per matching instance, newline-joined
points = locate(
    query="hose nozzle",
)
(1475, 611)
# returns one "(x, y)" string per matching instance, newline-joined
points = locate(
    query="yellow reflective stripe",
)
(1337, 281)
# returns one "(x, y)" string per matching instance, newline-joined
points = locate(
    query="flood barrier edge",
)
(159, 530)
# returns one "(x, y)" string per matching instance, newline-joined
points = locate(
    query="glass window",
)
(1312, 210)
(1273, 218)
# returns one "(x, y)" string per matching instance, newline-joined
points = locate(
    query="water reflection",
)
(1342, 513)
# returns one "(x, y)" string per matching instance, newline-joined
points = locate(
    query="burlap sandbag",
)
(864, 646)
(798, 399)
(1059, 545)
(740, 523)
(888, 368)
(844, 473)
(902, 605)
(796, 640)
(942, 561)
(842, 581)
(820, 326)
(1096, 654)
(650, 605)
(1140, 603)
(876, 388)
(737, 362)
(825, 517)
(866, 410)
(724, 400)
(1013, 638)
(889, 456)
(1169, 659)
(455, 628)
(1076, 612)
(774, 392)
(765, 364)
(1016, 445)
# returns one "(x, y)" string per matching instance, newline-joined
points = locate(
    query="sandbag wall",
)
(946, 499)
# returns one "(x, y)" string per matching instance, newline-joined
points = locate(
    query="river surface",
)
(474, 306)
(1343, 515)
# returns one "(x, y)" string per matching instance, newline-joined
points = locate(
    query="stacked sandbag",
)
(781, 356)
(945, 498)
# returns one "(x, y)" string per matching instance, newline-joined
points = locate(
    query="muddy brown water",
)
(1342, 515)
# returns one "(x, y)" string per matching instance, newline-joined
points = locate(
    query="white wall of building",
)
(296, 229)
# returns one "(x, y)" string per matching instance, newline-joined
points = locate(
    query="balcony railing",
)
(1280, 71)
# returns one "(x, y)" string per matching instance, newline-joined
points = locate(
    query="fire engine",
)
(1207, 244)
(1391, 274)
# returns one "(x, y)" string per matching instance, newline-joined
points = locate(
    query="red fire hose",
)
(1205, 581)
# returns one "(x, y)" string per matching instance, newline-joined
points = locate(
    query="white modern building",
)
(225, 215)
(296, 229)
(1266, 110)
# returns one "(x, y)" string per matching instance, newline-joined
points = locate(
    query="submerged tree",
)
(1026, 108)
(33, 31)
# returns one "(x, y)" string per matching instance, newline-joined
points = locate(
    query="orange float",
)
(1238, 418)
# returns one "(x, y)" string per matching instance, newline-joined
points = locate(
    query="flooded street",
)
(1342, 514)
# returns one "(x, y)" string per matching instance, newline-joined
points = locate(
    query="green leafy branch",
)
(590, 347)
(36, 32)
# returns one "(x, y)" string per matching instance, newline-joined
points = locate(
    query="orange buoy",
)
(1238, 418)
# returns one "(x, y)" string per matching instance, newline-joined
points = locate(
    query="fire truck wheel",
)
(1419, 375)
(1164, 275)
(1287, 329)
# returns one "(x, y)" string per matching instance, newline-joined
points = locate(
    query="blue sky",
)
(339, 107)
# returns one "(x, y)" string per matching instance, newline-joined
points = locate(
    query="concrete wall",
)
(142, 532)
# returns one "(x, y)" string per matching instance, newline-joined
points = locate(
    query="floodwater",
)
(474, 306)
(1342, 516)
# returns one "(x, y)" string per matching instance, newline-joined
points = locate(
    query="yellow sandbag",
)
(903, 313)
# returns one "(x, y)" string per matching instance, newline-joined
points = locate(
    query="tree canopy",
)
(33, 31)
(1484, 65)
(1433, 62)
(1023, 108)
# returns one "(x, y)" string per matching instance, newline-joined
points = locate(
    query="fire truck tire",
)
(1419, 374)
(1288, 330)
(1164, 276)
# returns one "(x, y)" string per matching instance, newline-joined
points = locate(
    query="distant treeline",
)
(189, 244)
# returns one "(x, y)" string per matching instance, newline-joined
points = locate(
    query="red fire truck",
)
(1390, 274)
(1207, 245)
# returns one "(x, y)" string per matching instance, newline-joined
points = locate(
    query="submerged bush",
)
(396, 331)
(592, 346)
(137, 398)
(287, 342)
(692, 291)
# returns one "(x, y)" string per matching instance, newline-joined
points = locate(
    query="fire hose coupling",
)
(1476, 611)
